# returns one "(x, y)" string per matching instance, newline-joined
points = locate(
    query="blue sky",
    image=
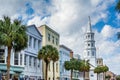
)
(70, 19)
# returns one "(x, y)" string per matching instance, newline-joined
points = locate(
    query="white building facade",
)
(90, 51)
(32, 66)
(24, 63)
(64, 56)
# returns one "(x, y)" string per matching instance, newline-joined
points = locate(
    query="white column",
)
(37, 44)
(27, 61)
(18, 58)
(32, 42)
(13, 57)
(5, 55)
(23, 56)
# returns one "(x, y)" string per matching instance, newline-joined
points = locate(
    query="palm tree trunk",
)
(83, 75)
(8, 62)
(104, 76)
(71, 74)
(53, 71)
(46, 71)
(98, 76)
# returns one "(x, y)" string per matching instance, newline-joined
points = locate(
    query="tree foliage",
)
(118, 6)
(84, 66)
(45, 53)
(13, 34)
(100, 69)
(55, 54)
(118, 77)
(73, 64)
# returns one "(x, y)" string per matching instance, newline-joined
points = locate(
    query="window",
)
(91, 36)
(30, 41)
(39, 44)
(20, 59)
(56, 41)
(93, 53)
(48, 37)
(92, 45)
(88, 44)
(38, 63)
(16, 59)
(2, 56)
(88, 36)
(30, 59)
(34, 61)
(34, 43)
(53, 39)
(56, 67)
(88, 53)
(25, 58)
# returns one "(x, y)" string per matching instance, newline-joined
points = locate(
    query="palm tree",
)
(13, 36)
(73, 64)
(118, 77)
(45, 54)
(101, 69)
(84, 67)
(97, 70)
(54, 57)
(118, 6)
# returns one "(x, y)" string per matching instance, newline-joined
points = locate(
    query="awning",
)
(12, 72)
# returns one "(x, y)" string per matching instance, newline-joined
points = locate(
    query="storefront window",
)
(16, 59)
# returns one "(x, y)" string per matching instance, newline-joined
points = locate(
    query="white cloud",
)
(107, 48)
(115, 60)
(70, 19)
(37, 21)
(108, 31)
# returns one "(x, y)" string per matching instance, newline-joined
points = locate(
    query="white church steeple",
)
(90, 50)
(89, 29)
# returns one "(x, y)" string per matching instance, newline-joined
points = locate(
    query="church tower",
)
(90, 51)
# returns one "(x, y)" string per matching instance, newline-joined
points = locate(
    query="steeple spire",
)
(89, 26)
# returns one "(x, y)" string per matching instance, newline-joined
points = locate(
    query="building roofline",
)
(35, 28)
(66, 48)
(49, 29)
